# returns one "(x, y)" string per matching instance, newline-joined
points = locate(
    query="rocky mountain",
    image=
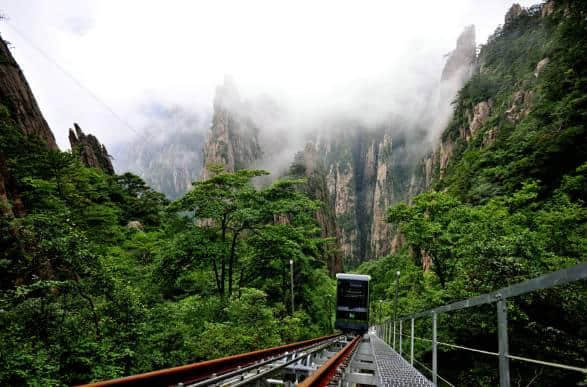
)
(91, 152)
(498, 99)
(17, 104)
(307, 164)
(243, 135)
(372, 168)
(168, 155)
(17, 96)
(233, 137)
(365, 167)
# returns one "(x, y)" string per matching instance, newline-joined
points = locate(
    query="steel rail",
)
(316, 348)
(322, 376)
(231, 374)
(198, 371)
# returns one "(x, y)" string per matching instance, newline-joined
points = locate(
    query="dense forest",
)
(509, 206)
(103, 277)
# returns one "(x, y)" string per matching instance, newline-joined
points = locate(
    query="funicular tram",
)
(352, 302)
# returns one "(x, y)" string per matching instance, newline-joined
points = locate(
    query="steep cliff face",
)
(233, 137)
(507, 120)
(18, 107)
(17, 96)
(92, 153)
(307, 163)
(367, 171)
(460, 66)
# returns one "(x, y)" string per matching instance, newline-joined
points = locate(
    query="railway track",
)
(316, 362)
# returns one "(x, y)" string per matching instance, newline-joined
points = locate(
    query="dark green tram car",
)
(352, 302)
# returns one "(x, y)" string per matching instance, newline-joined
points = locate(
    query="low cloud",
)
(356, 58)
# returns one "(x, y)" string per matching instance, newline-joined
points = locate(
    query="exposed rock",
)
(368, 172)
(428, 162)
(382, 198)
(480, 115)
(540, 66)
(134, 225)
(92, 153)
(445, 154)
(343, 192)
(457, 71)
(490, 136)
(19, 105)
(310, 158)
(309, 164)
(363, 171)
(548, 8)
(426, 261)
(459, 64)
(17, 96)
(397, 242)
(234, 141)
(513, 13)
(521, 104)
(233, 137)
(343, 199)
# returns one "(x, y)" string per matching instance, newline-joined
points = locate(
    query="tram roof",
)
(356, 277)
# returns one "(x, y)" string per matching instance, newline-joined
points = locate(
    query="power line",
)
(71, 77)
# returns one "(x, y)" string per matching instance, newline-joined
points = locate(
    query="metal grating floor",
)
(393, 370)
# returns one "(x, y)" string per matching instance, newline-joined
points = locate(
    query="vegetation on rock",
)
(505, 210)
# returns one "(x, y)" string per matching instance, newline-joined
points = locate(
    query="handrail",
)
(556, 278)
(546, 281)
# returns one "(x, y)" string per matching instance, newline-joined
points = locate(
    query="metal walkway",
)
(392, 369)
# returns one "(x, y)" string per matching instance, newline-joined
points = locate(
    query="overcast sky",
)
(139, 56)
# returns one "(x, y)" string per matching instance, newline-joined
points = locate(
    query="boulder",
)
(134, 225)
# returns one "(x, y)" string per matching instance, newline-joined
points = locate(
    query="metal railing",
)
(387, 330)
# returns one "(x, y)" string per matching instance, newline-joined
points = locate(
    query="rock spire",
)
(92, 153)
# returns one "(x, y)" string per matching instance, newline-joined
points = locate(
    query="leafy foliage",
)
(86, 296)
(506, 211)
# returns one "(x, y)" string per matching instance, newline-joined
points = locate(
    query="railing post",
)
(400, 337)
(434, 352)
(393, 334)
(502, 338)
(412, 345)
